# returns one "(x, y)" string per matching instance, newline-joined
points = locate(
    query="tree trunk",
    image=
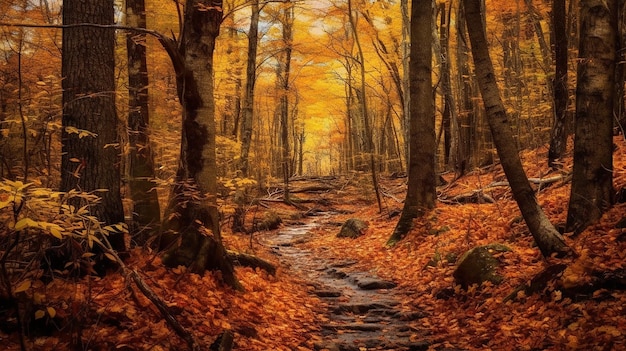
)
(421, 195)
(406, 40)
(535, 18)
(620, 72)
(284, 98)
(146, 211)
(368, 137)
(394, 72)
(350, 143)
(558, 138)
(454, 157)
(467, 123)
(592, 181)
(248, 100)
(247, 115)
(91, 162)
(192, 211)
(546, 236)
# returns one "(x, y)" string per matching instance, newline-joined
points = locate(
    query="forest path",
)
(363, 311)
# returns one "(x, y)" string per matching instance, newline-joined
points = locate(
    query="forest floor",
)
(294, 308)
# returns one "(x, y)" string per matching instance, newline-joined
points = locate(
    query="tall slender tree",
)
(247, 115)
(465, 92)
(421, 195)
(546, 236)
(283, 100)
(90, 160)
(405, 52)
(558, 139)
(146, 211)
(364, 109)
(248, 99)
(592, 182)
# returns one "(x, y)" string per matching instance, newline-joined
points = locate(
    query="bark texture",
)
(90, 161)
(192, 211)
(546, 236)
(592, 181)
(248, 100)
(283, 101)
(421, 195)
(146, 211)
(558, 139)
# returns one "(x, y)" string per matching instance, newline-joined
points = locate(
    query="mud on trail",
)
(362, 311)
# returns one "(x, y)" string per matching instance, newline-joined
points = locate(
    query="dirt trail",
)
(364, 312)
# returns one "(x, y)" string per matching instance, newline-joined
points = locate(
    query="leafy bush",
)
(43, 236)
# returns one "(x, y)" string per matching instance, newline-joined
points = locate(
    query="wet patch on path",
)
(364, 311)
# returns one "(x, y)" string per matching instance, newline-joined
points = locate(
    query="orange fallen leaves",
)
(546, 320)
(278, 313)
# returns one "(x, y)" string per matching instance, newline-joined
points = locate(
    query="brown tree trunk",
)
(248, 99)
(406, 39)
(247, 115)
(546, 236)
(350, 142)
(620, 73)
(535, 18)
(467, 121)
(284, 98)
(558, 138)
(146, 211)
(91, 162)
(592, 182)
(453, 155)
(192, 211)
(421, 195)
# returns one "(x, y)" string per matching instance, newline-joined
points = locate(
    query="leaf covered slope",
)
(280, 313)
(574, 311)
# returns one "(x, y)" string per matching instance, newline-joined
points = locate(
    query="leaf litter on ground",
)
(279, 312)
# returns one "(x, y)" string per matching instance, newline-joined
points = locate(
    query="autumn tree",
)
(545, 234)
(465, 83)
(592, 182)
(362, 101)
(192, 211)
(247, 114)
(558, 139)
(146, 212)
(405, 52)
(282, 73)
(452, 142)
(389, 55)
(90, 160)
(248, 99)
(421, 195)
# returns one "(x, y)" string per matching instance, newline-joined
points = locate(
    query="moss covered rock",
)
(352, 228)
(477, 266)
